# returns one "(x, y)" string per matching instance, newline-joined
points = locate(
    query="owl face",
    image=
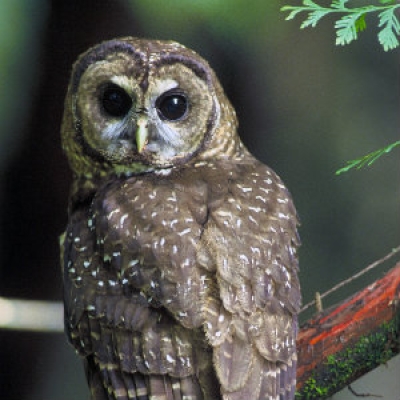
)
(139, 104)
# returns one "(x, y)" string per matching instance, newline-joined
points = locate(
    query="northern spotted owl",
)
(179, 258)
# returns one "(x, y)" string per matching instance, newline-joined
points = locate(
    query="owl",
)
(179, 258)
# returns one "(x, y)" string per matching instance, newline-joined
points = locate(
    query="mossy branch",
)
(346, 341)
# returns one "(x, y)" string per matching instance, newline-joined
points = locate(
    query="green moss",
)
(344, 367)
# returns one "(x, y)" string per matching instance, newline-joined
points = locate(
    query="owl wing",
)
(251, 237)
(132, 289)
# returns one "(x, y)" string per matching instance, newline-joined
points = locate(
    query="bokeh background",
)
(305, 108)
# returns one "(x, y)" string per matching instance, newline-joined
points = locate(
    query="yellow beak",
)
(142, 134)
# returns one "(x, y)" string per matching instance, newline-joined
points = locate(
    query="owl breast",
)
(198, 249)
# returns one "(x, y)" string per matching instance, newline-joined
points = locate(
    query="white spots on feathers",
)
(186, 262)
(235, 203)
(244, 189)
(265, 190)
(282, 200)
(284, 216)
(255, 250)
(172, 197)
(153, 195)
(170, 359)
(268, 181)
(163, 171)
(263, 199)
(132, 263)
(252, 219)
(270, 289)
(115, 211)
(182, 314)
(122, 220)
(223, 213)
(134, 200)
(244, 259)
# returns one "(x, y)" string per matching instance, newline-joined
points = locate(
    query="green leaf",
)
(346, 29)
(361, 24)
(311, 4)
(391, 27)
(339, 4)
(313, 18)
(293, 12)
(368, 159)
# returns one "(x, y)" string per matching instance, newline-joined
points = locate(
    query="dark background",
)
(305, 107)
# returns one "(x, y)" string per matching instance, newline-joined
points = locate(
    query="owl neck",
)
(82, 193)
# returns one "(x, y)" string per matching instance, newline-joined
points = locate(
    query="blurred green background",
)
(305, 107)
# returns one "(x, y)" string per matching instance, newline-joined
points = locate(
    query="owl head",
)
(136, 105)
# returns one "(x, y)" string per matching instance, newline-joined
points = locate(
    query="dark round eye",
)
(116, 102)
(172, 106)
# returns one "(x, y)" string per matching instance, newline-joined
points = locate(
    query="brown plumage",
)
(180, 266)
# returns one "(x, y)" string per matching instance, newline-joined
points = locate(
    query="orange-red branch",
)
(343, 326)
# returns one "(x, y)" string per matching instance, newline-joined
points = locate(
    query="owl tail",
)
(106, 384)
(245, 374)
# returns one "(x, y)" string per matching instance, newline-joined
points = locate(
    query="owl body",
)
(180, 267)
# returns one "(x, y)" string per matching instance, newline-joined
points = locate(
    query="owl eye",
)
(172, 106)
(115, 101)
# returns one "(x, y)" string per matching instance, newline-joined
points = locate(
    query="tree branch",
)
(350, 339)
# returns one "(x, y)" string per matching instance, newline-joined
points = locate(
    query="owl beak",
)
(142, 134)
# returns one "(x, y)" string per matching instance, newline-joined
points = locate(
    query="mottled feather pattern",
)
(152, 292)
(180, 254)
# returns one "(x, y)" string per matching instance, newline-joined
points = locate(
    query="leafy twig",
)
(368, 159)
(353, 20)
